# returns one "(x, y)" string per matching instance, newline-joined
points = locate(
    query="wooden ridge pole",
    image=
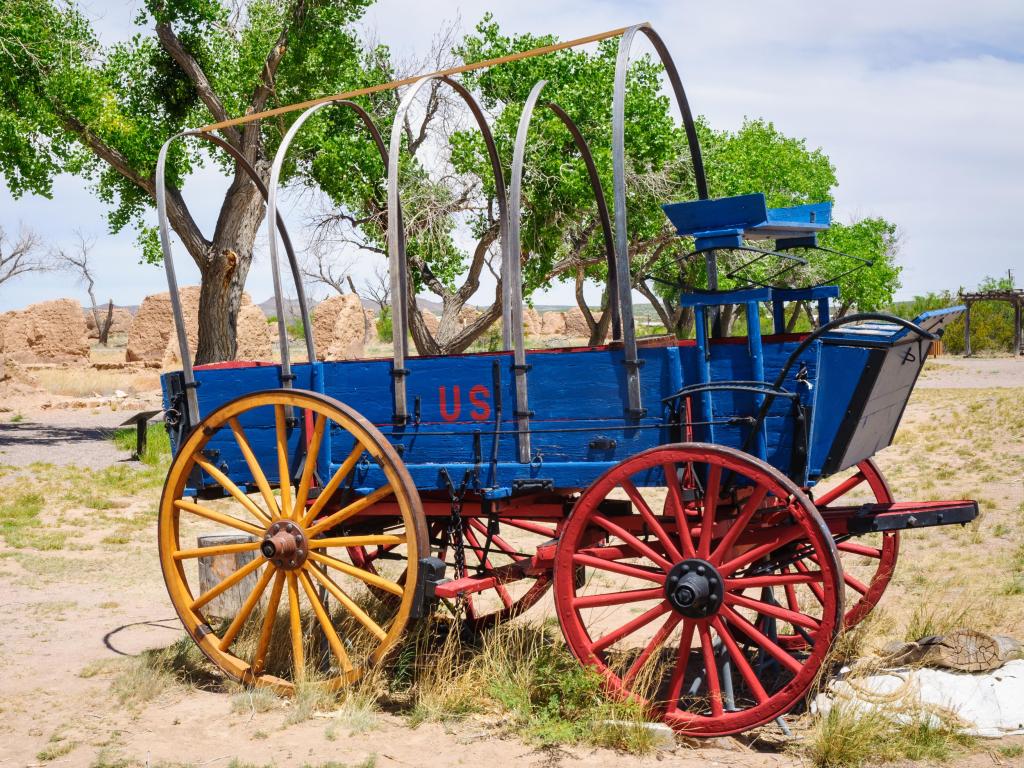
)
(409, 80)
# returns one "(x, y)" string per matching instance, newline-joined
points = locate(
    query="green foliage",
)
(296, 328)
(69, 104)
(868, 288)
(991, 321)
(384, 332)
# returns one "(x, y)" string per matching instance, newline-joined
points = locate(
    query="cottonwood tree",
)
(68, 103)
(77, 259)
(22, 255)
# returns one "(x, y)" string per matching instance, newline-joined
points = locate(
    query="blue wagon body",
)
(851, 387)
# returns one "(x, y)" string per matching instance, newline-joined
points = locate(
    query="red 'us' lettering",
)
(479, 400)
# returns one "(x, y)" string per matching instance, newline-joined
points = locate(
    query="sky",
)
(920, 106)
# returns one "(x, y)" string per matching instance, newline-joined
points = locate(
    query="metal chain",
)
(456, 528)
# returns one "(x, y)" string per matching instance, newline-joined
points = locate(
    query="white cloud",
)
(918, 104)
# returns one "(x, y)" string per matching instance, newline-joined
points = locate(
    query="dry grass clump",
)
(523, 671)
(153, 673)
(85, 382)
(937, 619)
(850, 735)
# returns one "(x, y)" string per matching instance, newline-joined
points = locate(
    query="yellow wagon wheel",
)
(308, 613)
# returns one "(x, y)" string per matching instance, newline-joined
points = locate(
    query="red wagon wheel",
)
(868, 564)
(676, 606)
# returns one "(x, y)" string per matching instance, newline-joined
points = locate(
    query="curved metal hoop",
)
(396, 232)
(172, 279)
(275, 176)
(619, 178)
(515, 245)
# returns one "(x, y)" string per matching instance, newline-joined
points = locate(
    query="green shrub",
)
(991, 321)
(384, 332)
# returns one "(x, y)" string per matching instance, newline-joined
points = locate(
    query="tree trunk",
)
(366, 317)
(797, 308)
(598, 328)
(103, 329)
(728, 314)
(224, 268)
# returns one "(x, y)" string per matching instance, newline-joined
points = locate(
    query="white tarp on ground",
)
(985, 704)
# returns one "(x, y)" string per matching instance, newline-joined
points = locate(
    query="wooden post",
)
(1018, 347)
(213, 570)
(967, 331)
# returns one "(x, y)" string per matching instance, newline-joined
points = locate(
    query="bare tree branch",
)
(77, 260)
(21, 256)
(320, 268)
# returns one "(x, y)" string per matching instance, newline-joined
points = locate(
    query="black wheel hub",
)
(695, 588)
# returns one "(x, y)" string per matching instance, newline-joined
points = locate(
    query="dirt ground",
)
(76, 610)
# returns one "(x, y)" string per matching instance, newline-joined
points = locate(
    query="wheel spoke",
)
(526, 525)
(254, 467)
(347, 602)
(616, 567)
(630, 627)
(645, 511)
(617, 598)
(770, 609)
(503, 546)
(675, 687)
(816, 589)
(659, 637)
(365, 576)
(856, 548)
(783, 537)
(332, 485)
(840, 490)
(710, 671)
(740, 660)
(325, 622)
(217, 517)
(227, 583)
(225, 482)
(354, 508)
(758, 637)
(357, 541)
(220, 549)
(707, 524)
(790, 590)
(259, 659)
(309, 465)
(855, 583)
(738, 526)
(284, 471)
(631, 541)
(246, 610)
(773, 580)
(295, 629)
(675, 499)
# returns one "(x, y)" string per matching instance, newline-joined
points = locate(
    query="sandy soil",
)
(72, 617)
